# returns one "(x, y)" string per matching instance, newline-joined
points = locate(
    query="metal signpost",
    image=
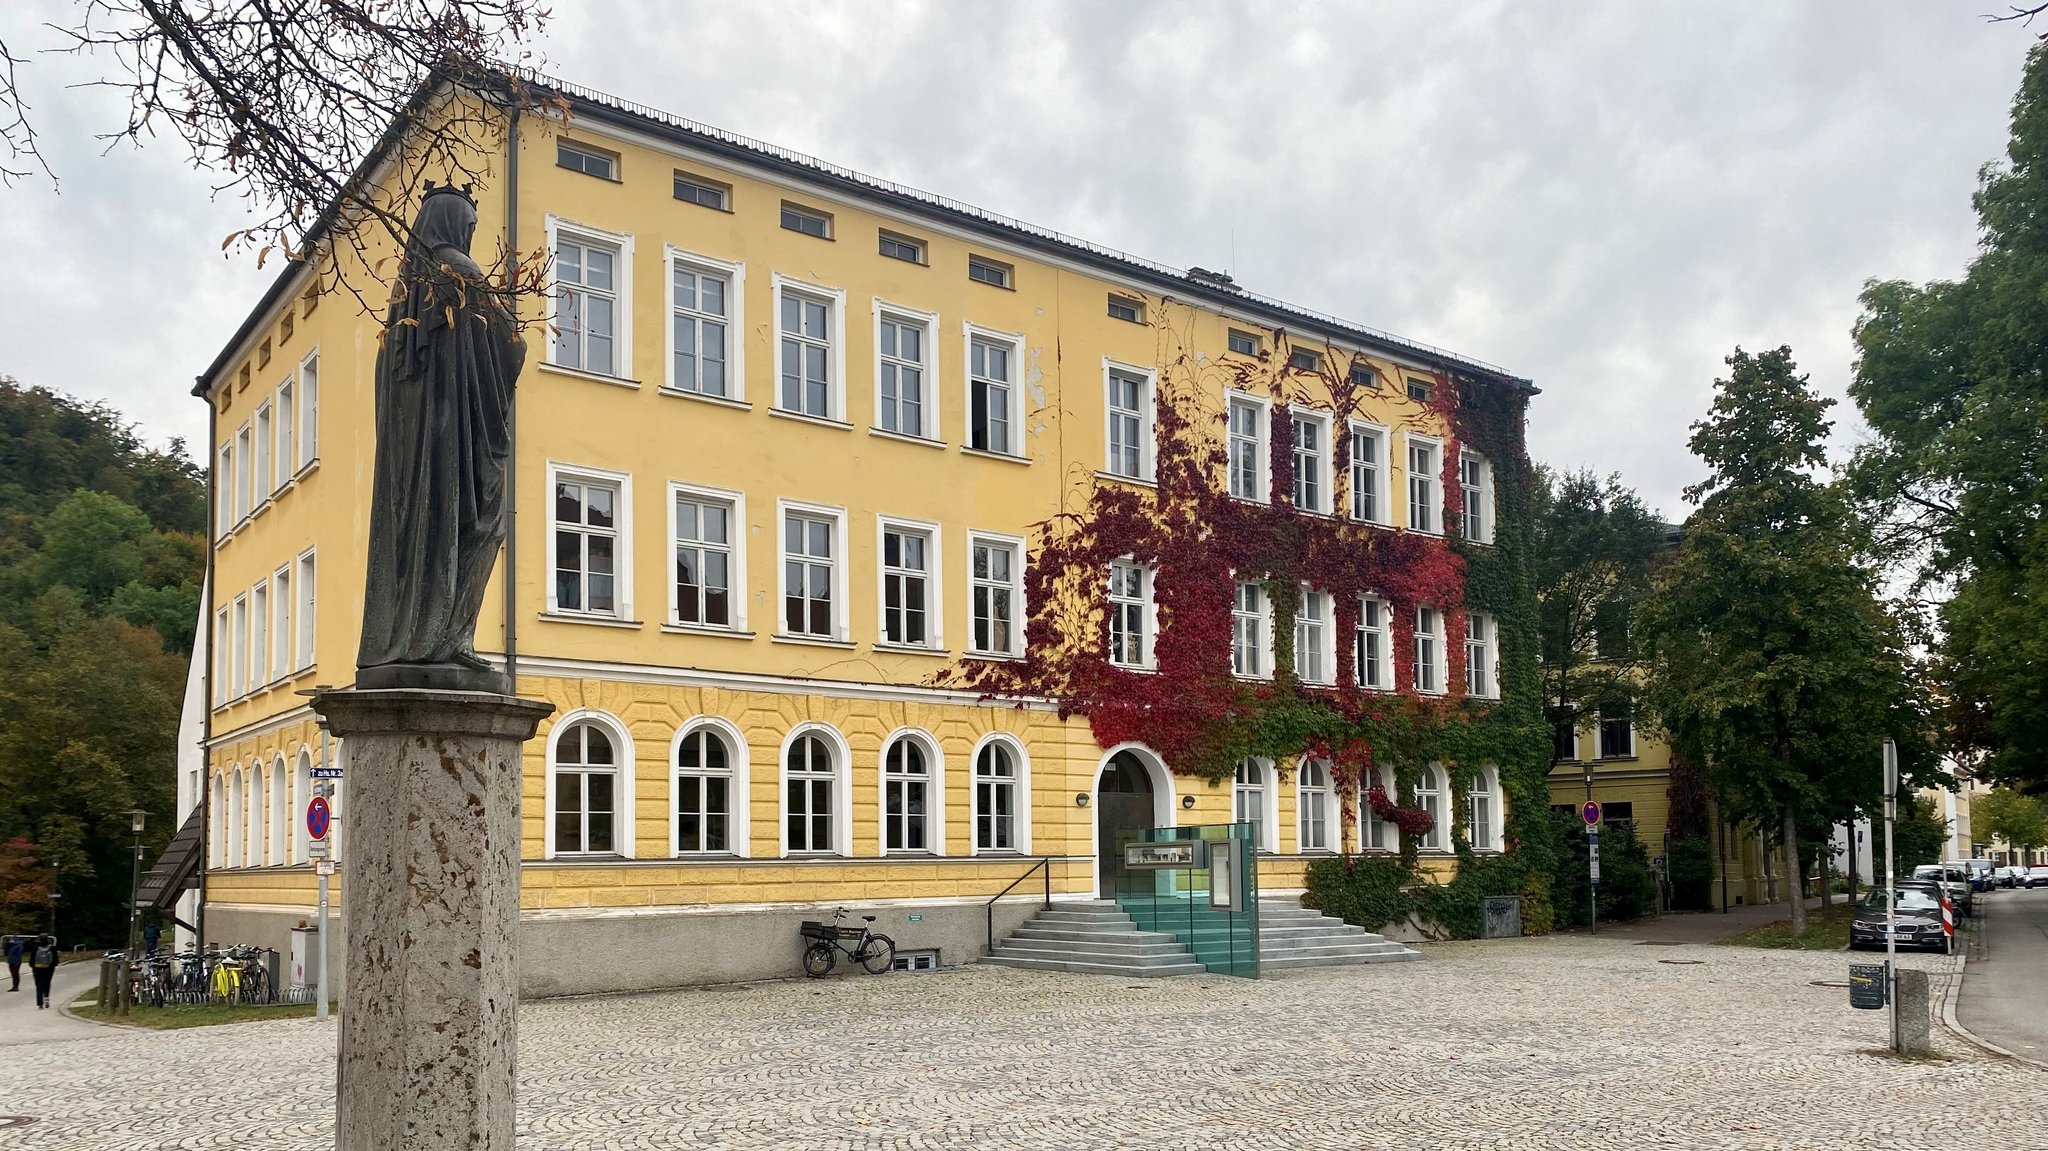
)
(1891, 887)
(319, 821)
(1591, 814)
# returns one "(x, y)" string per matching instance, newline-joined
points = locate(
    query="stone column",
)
(431, 903)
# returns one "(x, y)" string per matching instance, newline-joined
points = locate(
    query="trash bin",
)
(1503, 917)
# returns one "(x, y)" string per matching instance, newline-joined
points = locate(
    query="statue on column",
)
(445, 375)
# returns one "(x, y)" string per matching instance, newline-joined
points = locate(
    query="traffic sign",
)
(326, 773)
(317, 818)
(1590, 813)
(323, 867)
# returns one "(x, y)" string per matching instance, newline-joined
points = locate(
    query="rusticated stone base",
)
(429, 1037)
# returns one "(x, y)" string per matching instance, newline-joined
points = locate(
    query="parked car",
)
(1955, 881)
(1981, 874)
(2037, 876)
(1917, 918)
(2012, 877)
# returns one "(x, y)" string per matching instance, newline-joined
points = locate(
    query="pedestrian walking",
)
(16, 949)
(151, 932)
(42, 964)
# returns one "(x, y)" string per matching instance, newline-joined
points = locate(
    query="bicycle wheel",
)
(878, 954)
(819, 959)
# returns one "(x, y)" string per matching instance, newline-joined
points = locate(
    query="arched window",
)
(302, 791)
(237, 818)
(1374, 833)
(809, 774)
(280, 813)
(1427, 794)
(906, 793)
(259, 810)
(1485, 811)
(1314, 805)
(585, 790)
(1248, 802)
(704, 791)
(995, 798)
(217, 821)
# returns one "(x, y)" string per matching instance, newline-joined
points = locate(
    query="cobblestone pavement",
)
(1540, 1043)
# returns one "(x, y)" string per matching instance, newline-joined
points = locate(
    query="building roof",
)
(1193, 284)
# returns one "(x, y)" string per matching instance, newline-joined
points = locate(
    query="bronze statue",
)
(444, 437)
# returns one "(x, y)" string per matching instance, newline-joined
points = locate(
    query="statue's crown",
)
(449, 190)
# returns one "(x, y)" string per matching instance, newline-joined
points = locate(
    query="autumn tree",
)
(2002, 813)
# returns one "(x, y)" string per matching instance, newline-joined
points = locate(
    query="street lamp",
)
(136, 816)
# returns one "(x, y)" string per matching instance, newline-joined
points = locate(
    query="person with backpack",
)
(42, 964)
(16, 949)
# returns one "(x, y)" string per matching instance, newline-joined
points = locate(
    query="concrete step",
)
(1081, 967)
(1289, 963)
(1166, 946)
(1089, 935)
(1302, 952)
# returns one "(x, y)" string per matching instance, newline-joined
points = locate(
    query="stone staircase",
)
(1293, 936)
(1097, 937)
(1093, 937)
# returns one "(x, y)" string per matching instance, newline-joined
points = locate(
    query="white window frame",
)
(1020, 795)
(1262, 447)
(842, 791)
(283, 661)
(1147, 419)
(223, 656)
(624, 768)
(1266, 827)
(1014, 342)
(1383, 473)
(1324, 461)
(1261, 650)
(1434, 636)
(285, 434)
(309, 411)
(1370, 825)
(245, 479)
(1487, 649)
(559, 228)
(1385, 631)
(1470, 493)
(239, 641)
(1333, 830)
(1428, 793)
(262, 468)
(302, 791)
(735, 275)
(306, 590)
(1015, 546)
(1600, 738)
(739, 787)
(935, 793)
(835, 356)
(622, 552)
(1324, 640)
(736, 552)
(259, 635)
(928, 367)
(1431, 491)
(224, 521)
(934, 581)
(1486, 787)
(1148, 614)
(841, 607)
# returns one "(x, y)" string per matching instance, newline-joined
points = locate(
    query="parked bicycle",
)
(876, 953)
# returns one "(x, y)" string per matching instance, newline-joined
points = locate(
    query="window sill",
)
(704, 398)
(1629, 758)
(921, 441)
(1152, 670)
(994, 657)
(1257, 503)
(305, 469)
(706, 631)
(999, 854)
(588, 857)
(592, 620)
(707, 857)
(913, 649)
(807, 418)
(1369, 522)
(811, 641)
(1006, 457)
(1134, 481)
(594, 377)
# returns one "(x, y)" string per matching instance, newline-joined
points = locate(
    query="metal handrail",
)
(1045, 865)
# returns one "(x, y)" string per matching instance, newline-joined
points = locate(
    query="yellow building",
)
(787, 441)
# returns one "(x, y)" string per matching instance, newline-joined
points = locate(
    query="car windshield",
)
(1909, 900)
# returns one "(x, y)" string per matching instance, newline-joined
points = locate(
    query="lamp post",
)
(136, 817)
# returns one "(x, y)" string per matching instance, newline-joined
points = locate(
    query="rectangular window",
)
(1371, 646)
(240, 639)
(906, 586)
(1565, 744)
(1243, 343)
(698, 190)
(586, 527)
(899, 247)
(286, 325)
(1475, 483)
(309, 410)
(261, 470)
(1126, 308)
(223, 658)
(1368, 474)
(808, 779)
(995, 799)
(699, 321)
(991, 390)
(1421, 390)
(587, 306)
(1248, 630)
(263, 354)
(1363, 375)
(1429, 675)
(587, 160)
(245, 476)
(703, 793)
(806, 355)
(1423, 501)
(281, 661)
(584, 806)
(1617, 734)
(1130, 606)
(902, 404)
(1610, 630)
(1311, 462)
(1130, 424)
(994, 273)
(1482, 669)
(704, 560)
(1312, 658)
(995, 582)
(284, 454)
(1621, 811)
(259, 635)
(1248, 429)
(810, 571)
(224, 491)
(305, 584)
(1303, 360)
(809, 221)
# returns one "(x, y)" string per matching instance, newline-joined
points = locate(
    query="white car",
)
(2011, 876)
(2037, 877)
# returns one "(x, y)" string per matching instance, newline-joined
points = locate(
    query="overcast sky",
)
(1604, 197)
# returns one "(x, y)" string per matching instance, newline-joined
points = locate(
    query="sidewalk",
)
(20, 1022)
(1703, 926)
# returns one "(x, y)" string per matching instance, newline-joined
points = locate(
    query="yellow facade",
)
(642, 674)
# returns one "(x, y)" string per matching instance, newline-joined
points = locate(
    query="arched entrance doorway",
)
(1123, 808)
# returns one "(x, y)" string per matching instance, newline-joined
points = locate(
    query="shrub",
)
(1370, 891)
(1692, 874)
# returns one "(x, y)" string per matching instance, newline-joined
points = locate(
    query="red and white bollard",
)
(1948, 925)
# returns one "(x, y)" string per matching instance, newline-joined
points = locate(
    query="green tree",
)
(1770, 655)
(1920, 835)
(92, 542)
(2020, 820)
(1949, 376)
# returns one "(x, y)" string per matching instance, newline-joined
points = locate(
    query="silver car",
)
(1955, 883)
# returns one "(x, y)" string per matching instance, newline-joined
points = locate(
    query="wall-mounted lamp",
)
(1080, 799)
(1187, 803)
